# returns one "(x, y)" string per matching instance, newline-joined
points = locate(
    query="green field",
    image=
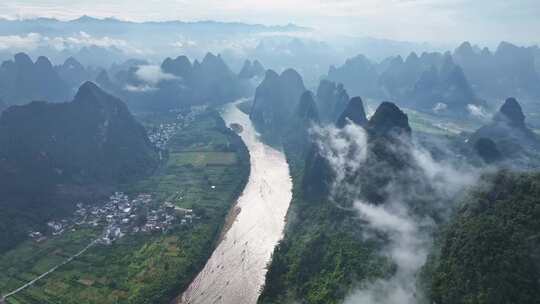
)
(433, 124)
(205, 169)
(202, 159)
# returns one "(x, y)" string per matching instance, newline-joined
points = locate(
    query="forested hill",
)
(93, 139)
(53, 155)
(490, 251)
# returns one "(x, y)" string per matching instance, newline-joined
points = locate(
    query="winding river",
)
(235, 273)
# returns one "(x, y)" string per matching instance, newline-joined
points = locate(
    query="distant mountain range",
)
(102, 42)
(175, 83)
(446, 83)
(113, 26)
(507, 138)
(22, 81)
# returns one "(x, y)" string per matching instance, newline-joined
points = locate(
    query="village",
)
(120, 216)
(161, 134)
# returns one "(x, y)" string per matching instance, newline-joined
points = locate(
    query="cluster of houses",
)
(121, 216)
(161, 135)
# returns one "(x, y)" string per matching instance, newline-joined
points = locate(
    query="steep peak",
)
(447, 65)
(183, 60)
(389, 120)
(181, 66)
(73, 63)
(359, 59)
(291, 77)
(211, 58)
(251, 69)
(246, 71)
(291, 74)
(23, 59)
(90, 93)
(412, 58)
(511, 113)
(43, 63)
(506, 46)
(270, 74)
(85, 18)
(354, 112)
(214, 64)
(307, 109)
(86, 89)
(465, 49)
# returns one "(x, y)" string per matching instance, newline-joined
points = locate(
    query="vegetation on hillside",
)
(206, 168)
(323, 254)
(490, 251)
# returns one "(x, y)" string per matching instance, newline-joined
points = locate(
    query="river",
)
(235, 273)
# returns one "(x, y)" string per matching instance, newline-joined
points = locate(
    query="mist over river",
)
(235, 273)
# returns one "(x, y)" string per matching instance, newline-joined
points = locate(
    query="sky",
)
(481, 21)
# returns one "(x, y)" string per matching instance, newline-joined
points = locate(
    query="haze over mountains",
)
(434, 82)
(98, 42)
(414, 169)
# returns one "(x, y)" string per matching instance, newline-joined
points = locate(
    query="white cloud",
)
(408, 249)
(140, 89)
(446, 178)
(345, 149)
(408, 234)
(33, 41)
(440, 107)
(478, 112)
(23, 43)
(152, 74)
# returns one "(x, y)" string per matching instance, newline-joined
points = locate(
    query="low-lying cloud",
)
(27, 42)
(33, 41)
(140, 89)
(478, 112)
(153, 74)
(408, 249)
(409, 234)
(345, 149)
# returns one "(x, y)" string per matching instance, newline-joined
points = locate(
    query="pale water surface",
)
(236, 271)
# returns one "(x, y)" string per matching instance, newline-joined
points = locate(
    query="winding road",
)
(14, 292)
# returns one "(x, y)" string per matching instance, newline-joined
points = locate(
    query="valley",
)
(235, 273)
(270, 152)
(148, 253)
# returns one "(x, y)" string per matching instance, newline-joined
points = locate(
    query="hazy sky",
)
(481, 21)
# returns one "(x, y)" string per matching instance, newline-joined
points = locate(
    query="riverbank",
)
(236, 271)
(205, 169)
